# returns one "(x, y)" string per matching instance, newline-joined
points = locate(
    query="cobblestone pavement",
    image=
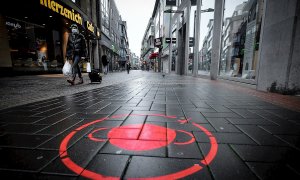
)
(152, 127)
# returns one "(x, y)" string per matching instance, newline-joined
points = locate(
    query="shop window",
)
(240, 39)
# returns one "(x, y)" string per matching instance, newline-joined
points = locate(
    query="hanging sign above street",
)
(158, 42)
(171, 2)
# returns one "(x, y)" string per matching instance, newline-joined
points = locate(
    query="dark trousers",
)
(75, 67)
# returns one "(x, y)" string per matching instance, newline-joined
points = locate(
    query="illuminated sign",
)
(14, 25)
(60, 9)
(90, 26)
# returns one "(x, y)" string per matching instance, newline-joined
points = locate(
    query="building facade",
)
(35, 44)
(245, 41)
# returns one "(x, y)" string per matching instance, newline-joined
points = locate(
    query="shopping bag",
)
(67, 69)
(88, 67)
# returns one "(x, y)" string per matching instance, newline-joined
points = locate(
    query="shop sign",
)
(60, 9)
(98, 33)
(90, 27)
(158, 42)
(14, 25)
(171, 2)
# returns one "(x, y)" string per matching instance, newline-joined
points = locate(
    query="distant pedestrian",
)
(76, 51)
(105, 64)
(128, 66)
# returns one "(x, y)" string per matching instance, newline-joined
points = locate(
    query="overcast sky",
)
(137, 14)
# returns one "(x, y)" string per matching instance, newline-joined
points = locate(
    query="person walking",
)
(76, 51)
(128, 66)
(105, 63)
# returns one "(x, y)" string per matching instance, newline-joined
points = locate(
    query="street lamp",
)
(170, 34)
(197, 36)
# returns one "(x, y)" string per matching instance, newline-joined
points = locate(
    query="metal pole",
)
(197, 39)
(170, 44)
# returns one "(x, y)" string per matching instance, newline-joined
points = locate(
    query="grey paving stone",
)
(160, 167)
(272, 171)
(23, 140)
(59, 127)
(251, 121)
(225, 138)
(285, 130)
(261, 153)
(221, 115)
(22, 128)
(108, 165)
(25, 159)
(196, 117)
(260, 136)
(81, 153)
(222, 125)
(226, 164)
(245, 113)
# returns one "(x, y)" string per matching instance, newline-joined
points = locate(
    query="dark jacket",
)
(104, 60)
(76, 46)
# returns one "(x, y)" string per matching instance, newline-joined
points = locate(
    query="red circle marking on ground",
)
(114, 132)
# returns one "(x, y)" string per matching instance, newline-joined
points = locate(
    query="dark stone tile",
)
(55, 142)
(148, 112)
(272, 171)
(18, 113)
(99, 105)
(200, 104)
(160, 167)
(22, 128)
(158, 107)
(13, 119)
(189, 151)
(225, 138)
(285, 130)
(134, 100)
(245, 113)
(56, 177)
(189, 127)
(81, 153)
(55, 118)
(120, 115)
(220, 108)
(196, 117)
(272, 117)
(222, 125)
(89, 117)
(160, 119)
(17, 175)
(285, 113)
(134, 120)
(132, 145)
(50, 112)
(291, 140)
(94, 123)
(250, 121)
(242, 107)
(60, 127)
(141, 108)
(145, 103)
(261, 153)
(108, 165)
(260, 136)
(23, 140)
(25, 159)
(221, 115)
(226, 164)
(108, 109)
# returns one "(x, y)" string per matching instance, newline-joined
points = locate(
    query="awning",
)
(153, 55)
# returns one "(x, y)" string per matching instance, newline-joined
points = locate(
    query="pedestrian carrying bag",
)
(67, 69)
(88, 67)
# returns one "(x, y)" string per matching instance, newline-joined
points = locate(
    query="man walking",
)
(76, 50)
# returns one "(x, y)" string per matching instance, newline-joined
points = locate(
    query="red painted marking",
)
(188, 142)
(123, 133)
(180, 174)
(156, 137)
(96, 139)
(64, 144)
(158, 133)
(214, 146)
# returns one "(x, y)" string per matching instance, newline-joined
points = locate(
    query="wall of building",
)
(279, 47)
(4, 46)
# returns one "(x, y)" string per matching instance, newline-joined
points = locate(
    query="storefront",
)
(38, 32)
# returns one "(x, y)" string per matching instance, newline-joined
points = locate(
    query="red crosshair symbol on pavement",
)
(124, 138)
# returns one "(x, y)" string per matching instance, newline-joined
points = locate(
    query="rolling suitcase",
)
(95, 76)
